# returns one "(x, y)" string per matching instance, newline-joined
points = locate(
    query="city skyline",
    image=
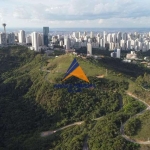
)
(75, 13)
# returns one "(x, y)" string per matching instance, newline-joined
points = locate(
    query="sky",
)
(75, 13)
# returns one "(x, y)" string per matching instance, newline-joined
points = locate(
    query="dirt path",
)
(122, 126)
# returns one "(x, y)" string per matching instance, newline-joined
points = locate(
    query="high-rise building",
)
(45, 35)
(41, 40)
(3, 38)
(58, 37)
(35, 41)
(109, 38)
(98, 39)
(85, 38)
(28, 39)
(111, 46)
(21, 35)
(118, 53)
(113, 54)
(11, 38)
(95, 45)
(91, 35)
(114, 37)
(149, 45)
(102, 43)
(139, 45)
(89, 40)
(136, 35)
(84, 33)
(79, 34)
(122, 44)
(98, 35)
(89, 49)
(133, 43)
(54, 39)
(128, 44)
(83, 44)
(104, 39)
(119, 37)
(124, 36)
(61, 43)
(68, 43)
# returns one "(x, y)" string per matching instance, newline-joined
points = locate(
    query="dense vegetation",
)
(29, 104)
(144, 81)
(95, 51)
(141, 87)
(138, 127)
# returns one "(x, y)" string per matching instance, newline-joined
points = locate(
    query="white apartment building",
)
(76, 35)
(67, 43)
(104, 38)
(35, 41)
(122, 44)
(128, 44)
(28, 39)
(102, 43)
(89, 49)
(21, 36)
(61, 43)
(112, 46)
(139, 45)
(84, 34)
(91, 35)
(109, 38)
(114, 37)
(118, 53)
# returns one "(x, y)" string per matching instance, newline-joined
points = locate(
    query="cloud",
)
(96, 11)
(83, 10)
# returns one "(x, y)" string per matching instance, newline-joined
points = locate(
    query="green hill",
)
(29, 103)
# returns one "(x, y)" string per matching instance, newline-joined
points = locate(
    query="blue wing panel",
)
(72, 67)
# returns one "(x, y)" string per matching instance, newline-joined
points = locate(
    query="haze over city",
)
(76, 13)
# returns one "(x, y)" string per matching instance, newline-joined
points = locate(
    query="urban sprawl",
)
(115, 42)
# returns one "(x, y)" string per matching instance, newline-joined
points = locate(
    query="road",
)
(47, 133)
(122, 126)
(130, 94)
(145, 89)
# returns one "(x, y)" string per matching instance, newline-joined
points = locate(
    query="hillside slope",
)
(29, 103)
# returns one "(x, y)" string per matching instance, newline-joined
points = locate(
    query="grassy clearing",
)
(59, 66)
